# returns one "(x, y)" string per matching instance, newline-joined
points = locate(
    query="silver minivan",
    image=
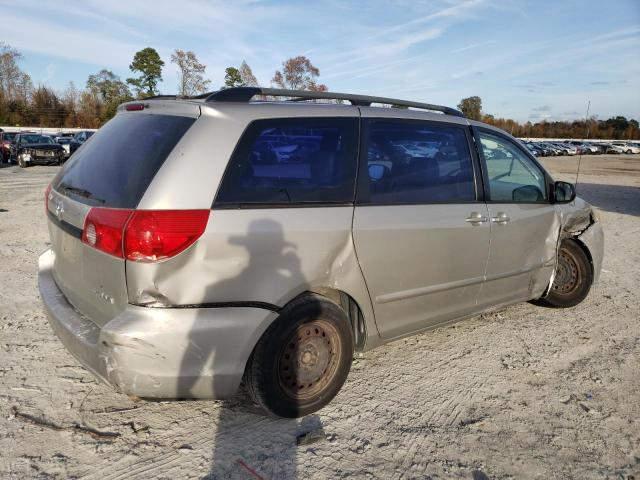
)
(197, 243)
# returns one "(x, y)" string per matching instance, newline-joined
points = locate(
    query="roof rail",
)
(245, 94)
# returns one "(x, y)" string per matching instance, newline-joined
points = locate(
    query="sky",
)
(526, 60)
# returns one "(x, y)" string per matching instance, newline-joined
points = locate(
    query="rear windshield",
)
(115, 167)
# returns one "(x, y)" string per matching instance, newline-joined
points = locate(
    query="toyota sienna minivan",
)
(263, 236)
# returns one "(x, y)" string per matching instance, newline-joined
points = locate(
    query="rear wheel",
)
(303, 359)
(573, 277)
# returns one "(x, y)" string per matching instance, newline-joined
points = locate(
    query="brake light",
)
(143, 235)
(134, 107)
(155, 235)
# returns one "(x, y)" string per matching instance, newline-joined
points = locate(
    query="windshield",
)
(24, 139)
(115, 168)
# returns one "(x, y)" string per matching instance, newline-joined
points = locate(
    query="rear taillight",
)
(155, 235)
(104, 228)
(47, 192)
(143, 235)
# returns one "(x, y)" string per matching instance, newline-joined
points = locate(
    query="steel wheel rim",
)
(309, 359)
(567, 279)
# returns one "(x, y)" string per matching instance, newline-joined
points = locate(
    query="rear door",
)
(420, 225)
(112, 171)
(524, 224)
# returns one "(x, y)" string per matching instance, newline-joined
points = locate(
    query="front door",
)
(524, 224)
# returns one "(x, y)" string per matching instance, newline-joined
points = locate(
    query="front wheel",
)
(573, 279)
(302, 360)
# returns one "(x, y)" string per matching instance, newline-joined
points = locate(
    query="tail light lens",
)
(104, 228)
(155, 235)
(143, 235)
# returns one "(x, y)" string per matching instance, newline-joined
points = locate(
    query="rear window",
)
(295, 160)
(117, 165)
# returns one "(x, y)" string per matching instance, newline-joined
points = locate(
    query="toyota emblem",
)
(59, 210)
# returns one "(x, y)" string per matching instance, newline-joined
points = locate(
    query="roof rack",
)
(245, 94)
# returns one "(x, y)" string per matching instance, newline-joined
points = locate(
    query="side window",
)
(513, 176)
(294, 160)
(416, 162)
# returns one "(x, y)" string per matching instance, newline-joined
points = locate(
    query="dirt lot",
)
(526, 392)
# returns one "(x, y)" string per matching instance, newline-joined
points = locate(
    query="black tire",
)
(302, 360)
(574, 277)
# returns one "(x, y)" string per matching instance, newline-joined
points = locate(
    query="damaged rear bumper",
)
(158, 352)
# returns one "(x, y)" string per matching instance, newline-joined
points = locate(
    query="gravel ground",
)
(526, 392)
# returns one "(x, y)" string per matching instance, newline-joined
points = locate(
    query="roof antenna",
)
(586, 124)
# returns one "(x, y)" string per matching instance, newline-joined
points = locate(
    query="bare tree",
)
(14, 83)
(298, 73)
(192, 81)
(247, 76)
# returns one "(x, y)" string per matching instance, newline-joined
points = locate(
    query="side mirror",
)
(376, 172)
(564, 192)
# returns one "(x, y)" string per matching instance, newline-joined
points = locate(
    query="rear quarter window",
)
(115, 167)
(292, 161)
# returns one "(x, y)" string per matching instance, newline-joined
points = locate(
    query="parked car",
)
(566, 149)
(549, 149)
(610, 148)
(65, 141)
(6, 139)
(78, 139)
(546, 151)
(185, 267)
(537, 152)
(627, 147)
(590, 148)
(583, 147)
(34, 149)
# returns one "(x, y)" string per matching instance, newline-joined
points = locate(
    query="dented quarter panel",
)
(258, 255)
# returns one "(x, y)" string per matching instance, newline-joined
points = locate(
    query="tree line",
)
(90, 106)
(618, 127)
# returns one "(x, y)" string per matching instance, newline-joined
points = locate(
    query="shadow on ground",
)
(612, 198)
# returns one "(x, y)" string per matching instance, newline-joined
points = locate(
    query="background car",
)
(627, 147)
(65, 141)
(610, 148)
(5, 145)
(78, 139)
(33, 148)
(533, 149)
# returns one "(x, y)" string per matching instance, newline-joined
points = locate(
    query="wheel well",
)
(351, 309)
(586, 251)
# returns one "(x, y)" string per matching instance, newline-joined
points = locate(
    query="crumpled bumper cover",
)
(593, 239)
(158, 352)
